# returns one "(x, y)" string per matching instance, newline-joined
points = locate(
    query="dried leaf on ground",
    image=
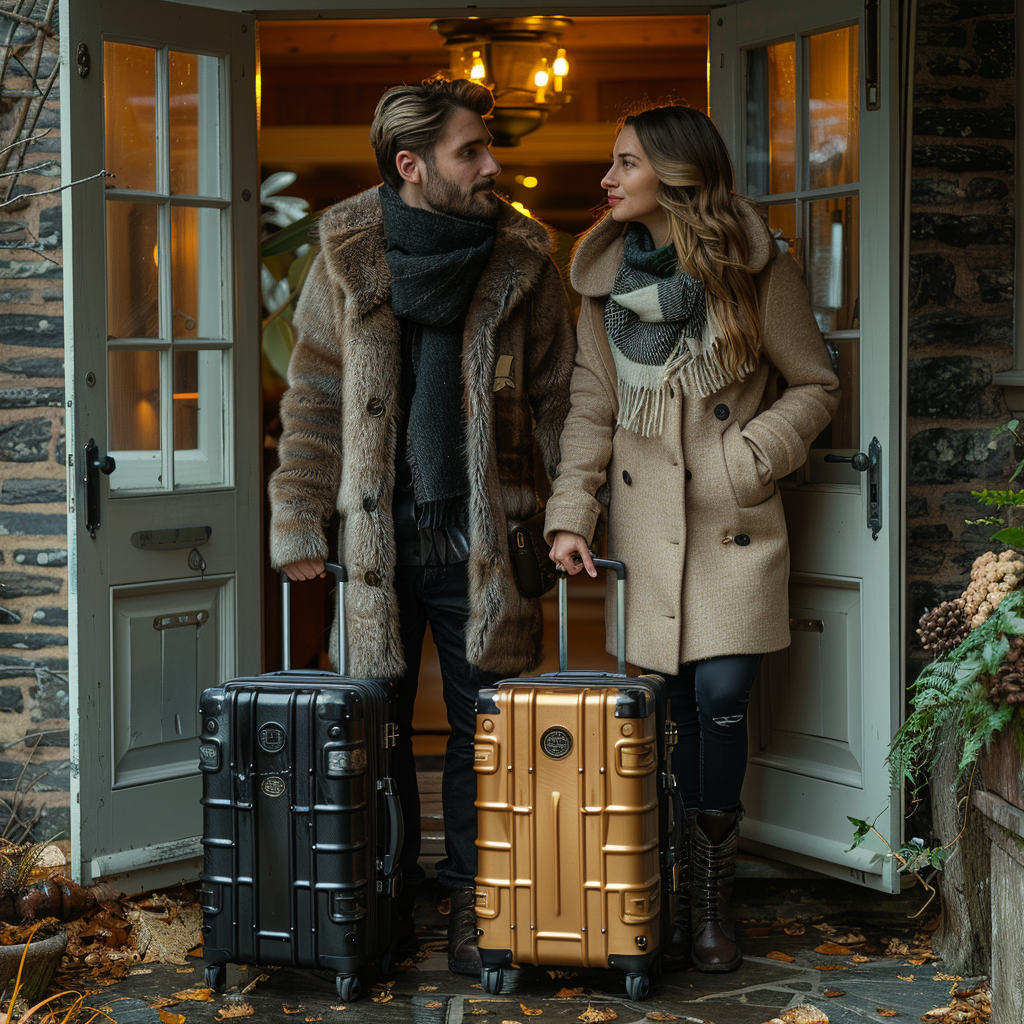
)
(831, 949)
(805, 1013)
(594, 1014)
(946, 977)
(896, 947)
(196, 951)
(235, 1010)
(829, 967)
(166, 1017)
(382, 997)
(428, 988)
(255, 981)
(162, 939)
(831, 993)
(660, 1015)
(568, 993)
(312, 1020)
(824, 926)
(905, 977)
(296, 1009)
(479, 1010)
(886, 1013)
(341, 1006)
(185, 970)
(557, 974)
(777, 954)
(850, 939)
(530, 1011)
(859, 958)
(158, 1002)
(433, 1005)
(794, 929)
(195, 995)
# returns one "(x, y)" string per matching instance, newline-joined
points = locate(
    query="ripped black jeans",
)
(709, 706)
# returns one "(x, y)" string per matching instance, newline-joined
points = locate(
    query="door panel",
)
(162, 343)
(787, 92)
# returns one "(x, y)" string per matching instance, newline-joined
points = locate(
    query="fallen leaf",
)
(341, 1007)
(886, 1013)
(905, 977)
(140, 970)
(478, 1011)
(477, 986)
(382, 997)
(428, 988)
(433, 1005)
(917, 961)
(794, 929)
(859, 958)
(850, 939)
(805, 1013)
(660, 1015)
(557, 974)
(593, 1014)
(235, 1010)
(185, 970)
(195, 995)
(831, 949)
(947, 977)
(831, 993)
(529, 1010)
(298, 1009)
(311, 1020)
(777, 954)
(159, 939)
(158, 1002)
(829, 967)
(255, 981)
(197, 951)
(166, 1017)
(568, 993)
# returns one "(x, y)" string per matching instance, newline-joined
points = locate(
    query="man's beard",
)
(447, 197)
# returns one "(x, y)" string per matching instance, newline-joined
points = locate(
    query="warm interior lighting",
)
(156, 256)
(522, 209)
(541, 79)
(529, 181)
(560, 66)
(193, 395)
(477, 72)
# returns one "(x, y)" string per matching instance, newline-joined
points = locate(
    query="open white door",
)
(162, 345)
(805, 95)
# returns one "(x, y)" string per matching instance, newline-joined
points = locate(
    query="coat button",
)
(688, 475)
(371, 579)
(375, 407)
(741, 539)
(627, 479)
(369, 503)
(722, 411)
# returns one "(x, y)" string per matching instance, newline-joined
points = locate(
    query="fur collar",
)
(351, 236)
(599, 252)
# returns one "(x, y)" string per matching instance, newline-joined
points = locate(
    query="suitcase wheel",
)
(348, 987)
(492, 978)
(214, 976)
(638, 987)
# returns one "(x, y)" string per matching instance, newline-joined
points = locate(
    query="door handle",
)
(871, 463)
(94, 465)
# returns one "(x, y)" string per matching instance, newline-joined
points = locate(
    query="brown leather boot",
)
(463, 955)
(682, 936)
(713, 860)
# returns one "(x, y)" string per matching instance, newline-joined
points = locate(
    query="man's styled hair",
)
(413, 117)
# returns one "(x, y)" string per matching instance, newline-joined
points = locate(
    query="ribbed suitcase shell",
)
(301, 824)
(576, 815)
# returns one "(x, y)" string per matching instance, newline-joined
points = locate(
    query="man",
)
(434, 345)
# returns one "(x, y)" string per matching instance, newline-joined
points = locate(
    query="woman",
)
(681, 424)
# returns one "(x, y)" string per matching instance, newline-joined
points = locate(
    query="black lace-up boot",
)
(463, 955)
(713, 862)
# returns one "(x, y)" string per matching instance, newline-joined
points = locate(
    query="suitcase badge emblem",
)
(556, 742)
(273, 785)
(272, 738)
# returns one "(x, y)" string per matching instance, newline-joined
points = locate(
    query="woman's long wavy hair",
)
(695, 189)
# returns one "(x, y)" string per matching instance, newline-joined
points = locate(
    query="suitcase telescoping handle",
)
(341, 575)
(620, 613)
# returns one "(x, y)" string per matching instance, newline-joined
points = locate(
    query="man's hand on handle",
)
(570, 553)
(299, 571)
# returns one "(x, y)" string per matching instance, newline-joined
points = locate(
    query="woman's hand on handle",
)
(569, 551)
(299, 571)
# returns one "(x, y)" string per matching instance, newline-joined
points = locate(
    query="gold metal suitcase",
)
(577, 816)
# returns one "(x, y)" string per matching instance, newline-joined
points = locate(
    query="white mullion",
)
(166, 305)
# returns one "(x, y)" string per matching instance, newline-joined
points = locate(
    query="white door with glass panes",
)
(805, 95)
(162, 342)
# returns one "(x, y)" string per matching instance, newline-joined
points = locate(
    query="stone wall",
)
(961, 289)
(34, 744)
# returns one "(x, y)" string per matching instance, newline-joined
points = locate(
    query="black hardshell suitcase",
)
(634, 697)
(302, 826)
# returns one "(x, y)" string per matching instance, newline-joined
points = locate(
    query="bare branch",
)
(33, 249)
(60, 188)
(25, 142)
(28, 169)
(27, 21)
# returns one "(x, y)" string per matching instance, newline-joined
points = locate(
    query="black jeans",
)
(709, 706)
(439, 596)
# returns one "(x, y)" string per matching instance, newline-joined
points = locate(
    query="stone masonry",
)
(961, 290)
(34, 738)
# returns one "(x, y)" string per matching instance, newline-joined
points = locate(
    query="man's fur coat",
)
(339, 419)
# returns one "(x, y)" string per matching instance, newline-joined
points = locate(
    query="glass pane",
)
(832, 261)
(196, 272)
(198, 418)
(129, 90)
(133, 398)
(834, 108)
(132, 257)
(782, 222)
(194, 124)
(771, 119)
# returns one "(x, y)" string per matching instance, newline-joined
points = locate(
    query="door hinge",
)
(84, 61)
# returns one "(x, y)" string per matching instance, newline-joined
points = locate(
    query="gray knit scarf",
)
(660, 331)
(435, 261)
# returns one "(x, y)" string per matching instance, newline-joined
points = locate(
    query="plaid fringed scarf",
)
(660, 330)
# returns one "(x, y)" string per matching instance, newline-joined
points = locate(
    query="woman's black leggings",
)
(709, 706)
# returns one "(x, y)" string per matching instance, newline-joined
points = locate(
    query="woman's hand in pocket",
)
(569, 551)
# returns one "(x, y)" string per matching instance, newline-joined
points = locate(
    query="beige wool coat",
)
(337, 449)
(695, 512)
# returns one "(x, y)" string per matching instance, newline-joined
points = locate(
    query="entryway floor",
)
(886, 971)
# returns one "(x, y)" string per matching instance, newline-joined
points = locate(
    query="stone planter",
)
(43, 959)
(1001, 803)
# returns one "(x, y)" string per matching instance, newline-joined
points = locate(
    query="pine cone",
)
(943, 627)
(1006, 686)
